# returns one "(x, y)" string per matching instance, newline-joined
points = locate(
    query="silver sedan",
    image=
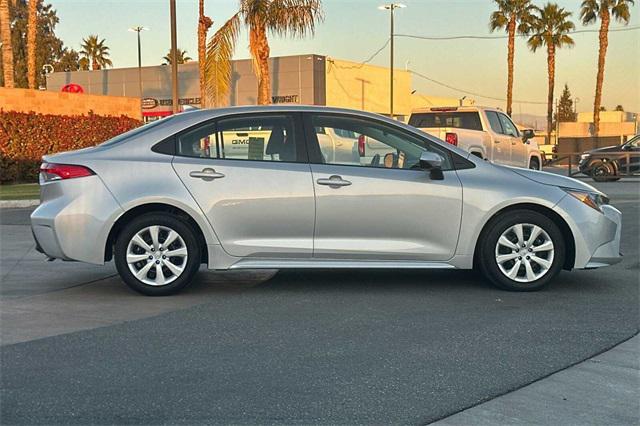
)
(311, 187)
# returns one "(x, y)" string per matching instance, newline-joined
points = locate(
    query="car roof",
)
(453, 108)
(203, 114)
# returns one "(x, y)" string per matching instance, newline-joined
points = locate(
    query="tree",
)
(181, 54)
(32, 31)
(564, 112)
(550, 28)
(602, 108)
(7, 44)
(96, 51)
(514, 16)
(204, 23)
(619, 108)
(69, 61)
(590, 12)
(282, 17)
(49, 48)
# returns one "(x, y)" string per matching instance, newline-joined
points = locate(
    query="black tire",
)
(489, 240)
(603, 171)
(534, 164)
(184, 230)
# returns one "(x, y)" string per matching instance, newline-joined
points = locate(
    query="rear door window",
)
(456, 119)
(494, 122)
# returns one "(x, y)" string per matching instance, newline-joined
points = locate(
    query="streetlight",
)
(391, 7)
(138, 30)
(174, 56)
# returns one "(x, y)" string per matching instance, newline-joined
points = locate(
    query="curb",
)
(16, 204)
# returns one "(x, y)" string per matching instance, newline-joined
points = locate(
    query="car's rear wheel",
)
(521, 250)
(157, 254)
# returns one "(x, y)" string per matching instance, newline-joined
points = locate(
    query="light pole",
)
(391, 7)
(174, 56)
(575, 107)
(138, 30)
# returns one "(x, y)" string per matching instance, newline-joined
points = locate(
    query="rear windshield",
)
(461, 120)
(133, 132)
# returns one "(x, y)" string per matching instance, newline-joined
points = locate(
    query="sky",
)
(355, 29)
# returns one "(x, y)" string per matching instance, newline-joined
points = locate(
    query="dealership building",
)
(302, 79)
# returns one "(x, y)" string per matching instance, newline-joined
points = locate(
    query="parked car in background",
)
(171, 195)
(487, 133)
(609, 163)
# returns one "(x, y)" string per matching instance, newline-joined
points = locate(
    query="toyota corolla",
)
(265, 187)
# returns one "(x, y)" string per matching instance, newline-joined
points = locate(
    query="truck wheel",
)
(534, 164)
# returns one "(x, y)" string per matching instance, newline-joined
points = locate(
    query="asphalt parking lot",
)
(294, 347)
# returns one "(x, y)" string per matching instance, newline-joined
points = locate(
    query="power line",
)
(475, 37)
(469, 92)
(363, 63)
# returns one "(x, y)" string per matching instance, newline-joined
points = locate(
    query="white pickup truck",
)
(486, 132)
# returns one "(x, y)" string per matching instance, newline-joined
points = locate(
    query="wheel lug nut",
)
(150, 257)
(528, 258)
(157, 262)
(164, 257)
(519, 257)
(153, 249)
(161, 249)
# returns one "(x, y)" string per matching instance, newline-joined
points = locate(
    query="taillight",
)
(451, 138)
(361, 145)
(52, 171)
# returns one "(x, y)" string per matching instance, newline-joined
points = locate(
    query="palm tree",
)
(550, 28)
(32, 26)
(281, 17)
(96, 51)
(7, 47)
(181, 54)
(590, 11)
(204, 23)
(514, 16)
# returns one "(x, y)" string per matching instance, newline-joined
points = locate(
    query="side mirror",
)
(433, 163)
(527, 134)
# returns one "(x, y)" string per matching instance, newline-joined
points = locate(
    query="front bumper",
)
(596, 235)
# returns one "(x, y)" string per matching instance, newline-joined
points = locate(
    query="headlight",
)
(594, 200)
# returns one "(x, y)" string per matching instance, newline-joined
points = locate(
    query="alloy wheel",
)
(157, 255)
(524, 252)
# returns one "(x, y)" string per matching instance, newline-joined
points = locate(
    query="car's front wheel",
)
(157, 254)
(521, 250)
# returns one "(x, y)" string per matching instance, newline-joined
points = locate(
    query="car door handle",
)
(334, 181)
(206, 174)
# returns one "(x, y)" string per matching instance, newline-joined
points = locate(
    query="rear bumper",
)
(74, 218)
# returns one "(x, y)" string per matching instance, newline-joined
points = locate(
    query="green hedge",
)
(26, 137)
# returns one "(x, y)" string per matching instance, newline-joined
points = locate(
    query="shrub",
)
(26, 137)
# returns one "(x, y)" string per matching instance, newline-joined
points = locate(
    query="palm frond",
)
(620, 11)
(294, 17)
(218, 62)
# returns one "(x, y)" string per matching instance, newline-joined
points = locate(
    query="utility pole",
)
(391, 7)
(138, 30)
(174, 57)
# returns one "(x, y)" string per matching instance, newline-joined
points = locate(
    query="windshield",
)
(134, 132)
(633, 142)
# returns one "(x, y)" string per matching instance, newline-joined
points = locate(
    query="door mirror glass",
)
(527, 134)
(432, 162)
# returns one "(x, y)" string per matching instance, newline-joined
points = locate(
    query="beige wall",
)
(578, 129)
(366, 87)
(59, 103)
(606, 116)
